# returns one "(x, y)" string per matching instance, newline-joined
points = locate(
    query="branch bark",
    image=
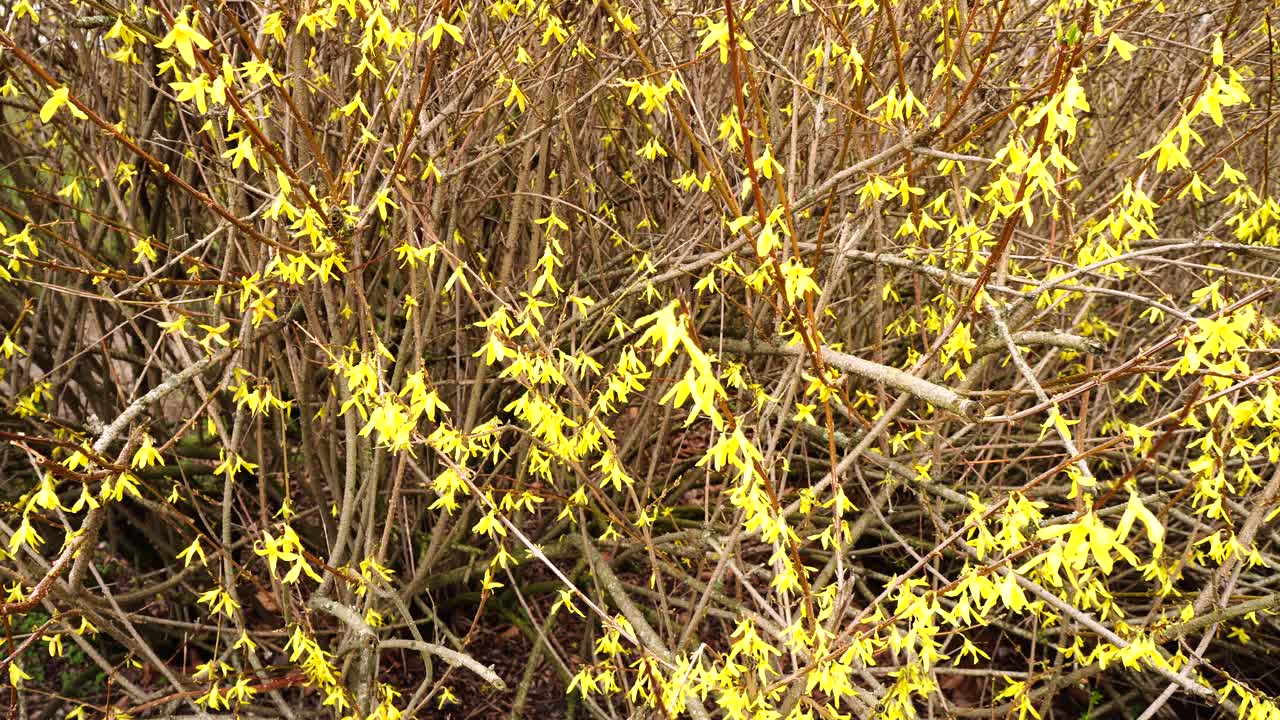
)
(932, 393)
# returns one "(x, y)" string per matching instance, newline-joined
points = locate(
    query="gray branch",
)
(930, 392)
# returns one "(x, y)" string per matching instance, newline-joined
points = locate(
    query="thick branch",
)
(932, 393)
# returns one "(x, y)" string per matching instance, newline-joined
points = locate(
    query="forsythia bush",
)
(775, 360)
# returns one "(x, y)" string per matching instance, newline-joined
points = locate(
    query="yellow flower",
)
(60, 97)
(183, 37)
(17, 674)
